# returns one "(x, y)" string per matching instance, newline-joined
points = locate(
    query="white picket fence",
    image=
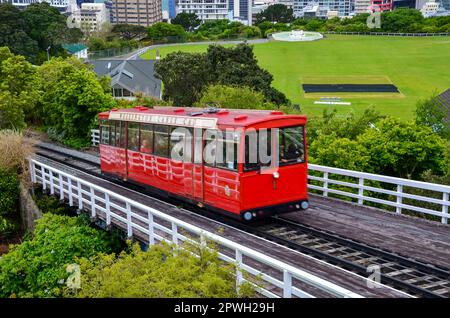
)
(366, 193)
(279, 279)
(95, 135)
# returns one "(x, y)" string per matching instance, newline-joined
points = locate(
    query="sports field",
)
(417, 66)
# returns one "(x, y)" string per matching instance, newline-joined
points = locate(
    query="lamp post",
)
(48, 55)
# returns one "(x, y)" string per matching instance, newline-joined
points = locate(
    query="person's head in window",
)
(145, 147)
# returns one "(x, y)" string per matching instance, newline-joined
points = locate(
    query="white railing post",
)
(174, 233)
(69, 188)
(52, 186)
(108, 209)
(44, 181)
(398, 208)
(93, 213)
(325, 184)
(361, 191)
(32, 172)
(61, 187)
(129, 225)
(445, 197)
(80, 196)
(287, 284)
(151, 234)
(239, 278)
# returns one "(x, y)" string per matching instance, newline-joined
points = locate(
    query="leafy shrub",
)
(37, 267)
(232, 97)
(7, 227)
(9, 192)
(162, 271)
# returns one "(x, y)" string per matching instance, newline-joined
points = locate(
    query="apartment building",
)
(343, 7)
(91, 17)
(139, 12)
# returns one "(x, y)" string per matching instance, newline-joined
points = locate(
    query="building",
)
(130, 77)
(319, 8)
(61, 5)
(78, 50)
(240, 10)
(139, 12)
(168, 9)
(382, 5)
(430, 8)
(362, 6)
(91, 17)
(207, 10)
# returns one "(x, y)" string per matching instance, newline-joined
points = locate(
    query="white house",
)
(77, 49)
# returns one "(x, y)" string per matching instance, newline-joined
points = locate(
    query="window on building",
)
(161, 143)
(146, 138)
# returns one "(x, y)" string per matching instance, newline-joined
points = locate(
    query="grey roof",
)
(134, 75)
(444, 101)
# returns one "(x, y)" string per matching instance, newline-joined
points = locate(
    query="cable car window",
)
(228, 150)
(104, 132)
(258, 149)
(181, 144)
(146, 138)
(161, 140)
(117, 134)
(133, 136)
(209, 153)
(120, 134)
(292, 145)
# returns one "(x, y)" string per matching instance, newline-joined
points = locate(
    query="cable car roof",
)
(197, 117)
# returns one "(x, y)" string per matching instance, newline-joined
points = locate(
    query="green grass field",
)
(417, 66)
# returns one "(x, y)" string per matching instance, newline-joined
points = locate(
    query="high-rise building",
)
(362, 6)
(235, 10)
(205, 9)
(139, 12)
(343, 7)
(382, 5)
(61, 5)
(91, 16)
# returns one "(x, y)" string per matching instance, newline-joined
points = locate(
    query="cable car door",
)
(197, 178)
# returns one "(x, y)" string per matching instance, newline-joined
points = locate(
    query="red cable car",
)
(245, 163)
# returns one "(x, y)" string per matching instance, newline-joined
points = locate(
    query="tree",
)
(276, 13)
(433, 113)
(232, 97)
(239, 66)
(13, 32)
(37, 267)
(404, 149)
(162, 271)
(163, 30)
(189, 21)
(18, 90)
(184, 76)
(129, 32)
(72, 97)
(48, 27)
(330, 150)
(401, 20)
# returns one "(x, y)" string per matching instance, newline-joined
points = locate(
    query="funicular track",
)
(406, 274)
